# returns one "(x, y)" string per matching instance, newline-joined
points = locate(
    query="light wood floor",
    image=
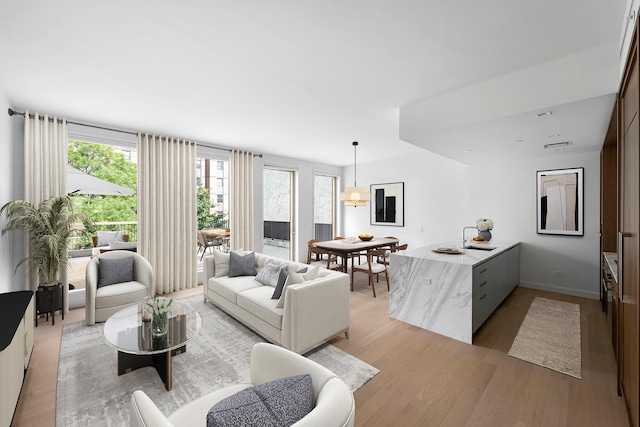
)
(426, 379)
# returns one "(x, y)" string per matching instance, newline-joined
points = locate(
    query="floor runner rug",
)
(89, 391)
(550, 336)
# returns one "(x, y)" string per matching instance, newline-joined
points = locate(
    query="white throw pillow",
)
(222, 261)
(268, 275)
(106, 237)
(296, 278)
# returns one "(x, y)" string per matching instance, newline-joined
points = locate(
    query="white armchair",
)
(102, 302)
(334, 404)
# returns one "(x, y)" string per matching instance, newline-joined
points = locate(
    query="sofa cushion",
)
(120, 293)
(269, 274)
(242, 265)
(295, 278)
(106, 237)
(229, 287)
(123, 245)
(280, 402)
(115, 270)
(258, 302)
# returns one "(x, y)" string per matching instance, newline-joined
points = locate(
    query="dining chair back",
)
(323, 258)
(396, 248)
(205, 242)
(373, 266)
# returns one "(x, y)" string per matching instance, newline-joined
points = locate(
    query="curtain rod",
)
(17, 113)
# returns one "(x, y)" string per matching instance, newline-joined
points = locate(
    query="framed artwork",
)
(560, 202)
(387, 204)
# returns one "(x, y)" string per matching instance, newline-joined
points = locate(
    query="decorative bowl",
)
(365, 238)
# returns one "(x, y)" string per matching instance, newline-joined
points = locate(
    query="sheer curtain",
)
(45, 169)
(241, 195)
(167, 222)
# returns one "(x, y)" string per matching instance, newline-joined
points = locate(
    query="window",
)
(220, 165)
(220, 182)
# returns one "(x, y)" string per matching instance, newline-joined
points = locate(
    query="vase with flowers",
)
(485, 225)
(159, 308)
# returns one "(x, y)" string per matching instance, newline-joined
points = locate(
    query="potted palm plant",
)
(49, 227)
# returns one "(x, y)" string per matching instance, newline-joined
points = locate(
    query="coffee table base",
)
(161, 361)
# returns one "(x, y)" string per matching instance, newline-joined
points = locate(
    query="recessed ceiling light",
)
(557, 144)
(555, 135)
(546, 113)
(519, 140)
(468, 151)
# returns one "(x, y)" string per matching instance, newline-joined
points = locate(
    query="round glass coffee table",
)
(138, 347)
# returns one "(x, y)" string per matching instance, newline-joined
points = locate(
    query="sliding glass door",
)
(324, 207)
(278, 219)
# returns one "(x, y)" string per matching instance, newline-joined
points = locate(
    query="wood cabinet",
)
(16, 345)
(628, 240)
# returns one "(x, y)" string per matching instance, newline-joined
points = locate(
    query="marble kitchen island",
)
(452, 294)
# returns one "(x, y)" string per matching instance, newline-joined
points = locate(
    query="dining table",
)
(344, 247)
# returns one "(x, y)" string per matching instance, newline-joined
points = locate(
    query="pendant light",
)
(355, 196)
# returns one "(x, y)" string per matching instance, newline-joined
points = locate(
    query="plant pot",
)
(486, 234)
(45, 296)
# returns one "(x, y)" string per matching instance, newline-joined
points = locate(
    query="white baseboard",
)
(560, 290)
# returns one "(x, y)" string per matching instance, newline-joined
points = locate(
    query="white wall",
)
(6, 271)
(510, 200)
(442, 196)
(11, 188)
(436, 199)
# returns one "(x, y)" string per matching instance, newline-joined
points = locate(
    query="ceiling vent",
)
(556, 145)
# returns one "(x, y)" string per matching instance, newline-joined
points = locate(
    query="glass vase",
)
(160, 324)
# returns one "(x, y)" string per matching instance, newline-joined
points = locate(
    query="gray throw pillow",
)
(240, 265)
(281, 402)
(115, 270)
(269, 274)
(282, 278)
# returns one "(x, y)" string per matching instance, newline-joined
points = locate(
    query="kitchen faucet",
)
(463, 239)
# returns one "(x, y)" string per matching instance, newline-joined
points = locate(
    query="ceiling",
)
(304, 79)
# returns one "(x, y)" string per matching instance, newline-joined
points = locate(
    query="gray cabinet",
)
(493, 281)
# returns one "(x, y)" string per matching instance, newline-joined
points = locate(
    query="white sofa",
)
(334, 405)
(313, 311)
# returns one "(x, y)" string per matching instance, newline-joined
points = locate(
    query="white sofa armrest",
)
(209, 269)
(315, 311)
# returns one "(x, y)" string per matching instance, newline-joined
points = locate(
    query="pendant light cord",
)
(355, 162)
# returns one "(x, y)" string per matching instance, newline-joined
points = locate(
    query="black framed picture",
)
(560, 202)
(387, 204)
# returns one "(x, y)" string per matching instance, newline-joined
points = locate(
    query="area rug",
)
(550, 336)
(91, 393)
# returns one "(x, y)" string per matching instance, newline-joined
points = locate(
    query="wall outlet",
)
(419, 229)
(560, 273)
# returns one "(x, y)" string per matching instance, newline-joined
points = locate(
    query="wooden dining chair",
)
(373, 266)
(324, 259)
